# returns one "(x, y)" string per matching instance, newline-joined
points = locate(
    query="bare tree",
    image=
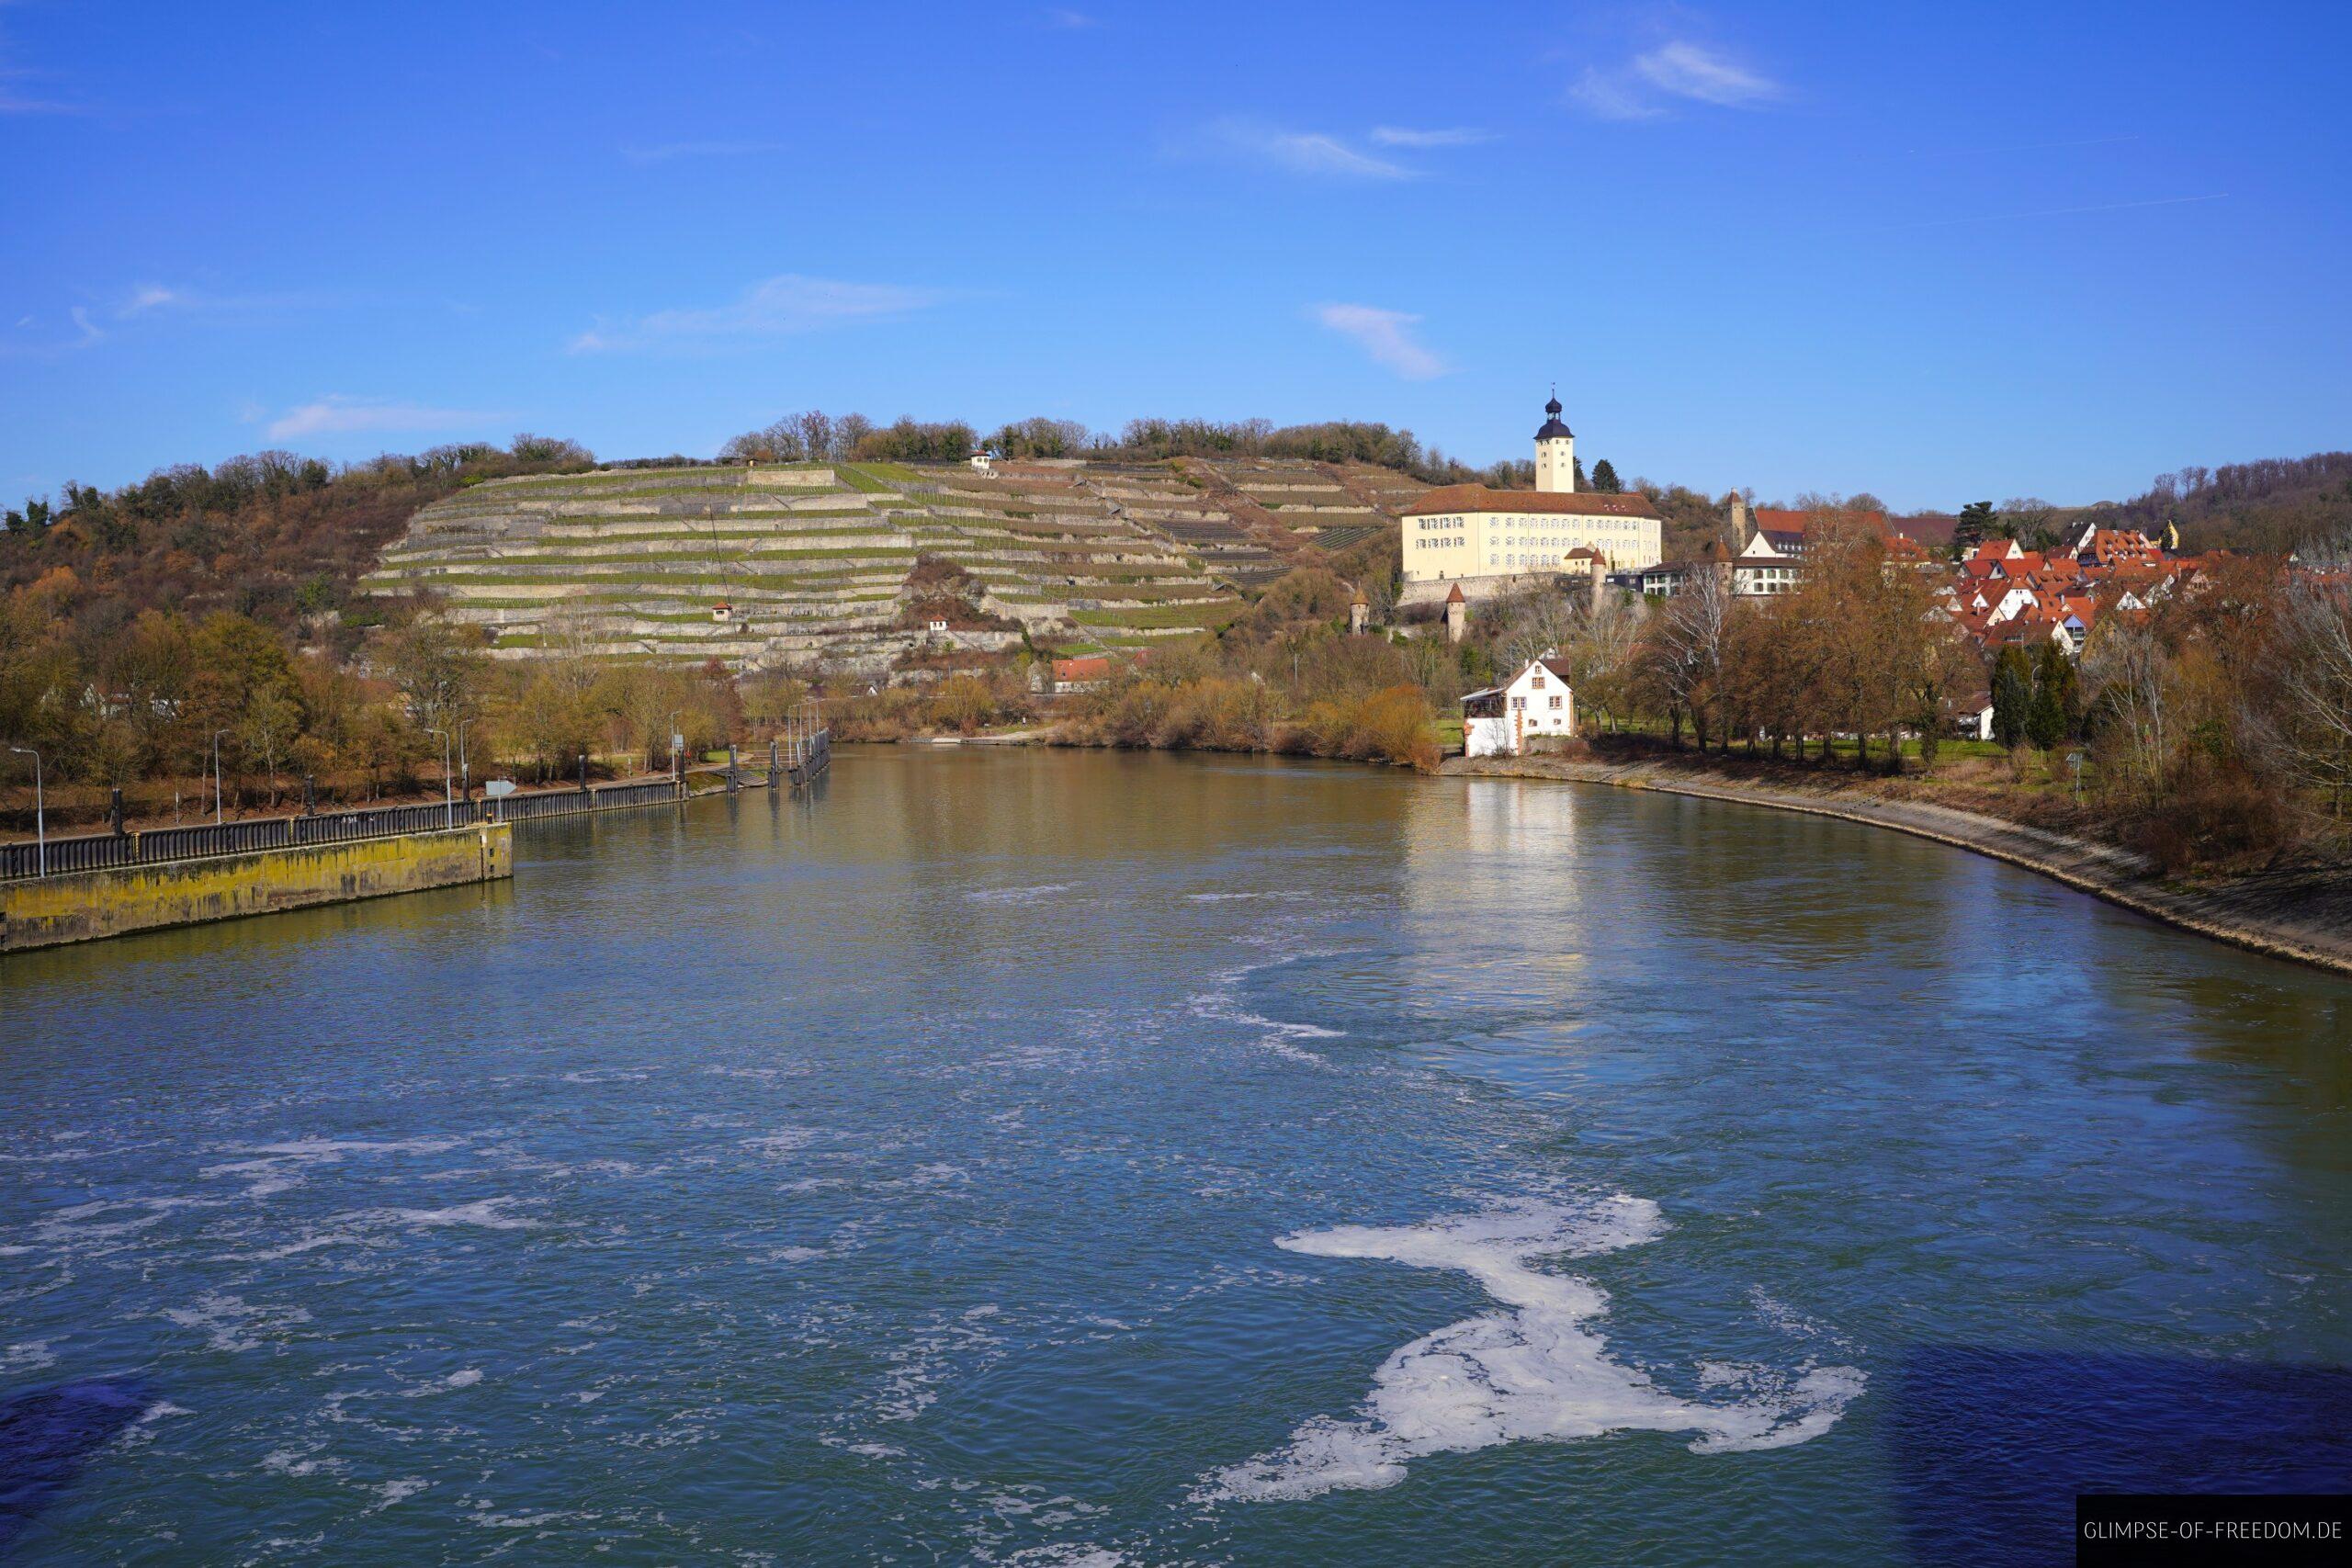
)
(2128, 673)
(1600, 653)
(1690, 639)
(2309, 731)
(1531, 623)
(816, 428)
(2030, 521)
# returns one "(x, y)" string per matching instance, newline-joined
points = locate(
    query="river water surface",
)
(1025, 1156)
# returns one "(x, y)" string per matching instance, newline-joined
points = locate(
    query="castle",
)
(1486, 540)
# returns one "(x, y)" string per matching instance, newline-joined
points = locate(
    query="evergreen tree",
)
(1578, 463)
(2045, 720)
(2056, 699)
(2012, 695)
(1604, 479)
(1975, 522)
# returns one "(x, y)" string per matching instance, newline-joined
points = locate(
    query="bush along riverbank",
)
(2291, 908)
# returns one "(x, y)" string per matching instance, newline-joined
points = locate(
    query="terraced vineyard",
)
(781, 565)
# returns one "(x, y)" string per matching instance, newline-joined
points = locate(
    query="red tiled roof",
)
(1931, 528)
(1481, 498)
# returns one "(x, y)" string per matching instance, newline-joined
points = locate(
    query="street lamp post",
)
(676, 713)
(216, 776)
(449, 800)
(41, 812)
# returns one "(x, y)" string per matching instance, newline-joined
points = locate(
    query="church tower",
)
(1555, 451)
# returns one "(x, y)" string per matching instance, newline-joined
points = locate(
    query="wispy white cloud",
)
(779, 306)
(14, 101)
(1385, 336)
(41, 336)
(150, 297)
(668, 150)
(1653, 83)
(1686, 70)
(1311, 153)
(144, 299)
(1406, 136)
(1071, 21)
(335, 415)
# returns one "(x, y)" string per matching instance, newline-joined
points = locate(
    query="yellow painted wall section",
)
(93, 904)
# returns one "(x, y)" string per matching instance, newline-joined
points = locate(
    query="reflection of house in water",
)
(1496, 905)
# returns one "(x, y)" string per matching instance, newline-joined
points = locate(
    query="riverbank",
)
(2304, 915)
(90, 905)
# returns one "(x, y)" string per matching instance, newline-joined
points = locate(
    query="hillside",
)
(777, 565)
(2272, 505)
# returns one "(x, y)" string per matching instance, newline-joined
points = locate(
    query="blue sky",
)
(1937, 253)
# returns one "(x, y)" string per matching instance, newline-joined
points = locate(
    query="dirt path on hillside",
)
(2303, 914)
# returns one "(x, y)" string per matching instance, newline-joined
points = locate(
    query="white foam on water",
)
(487, 1517)
(1224, 1006)
(86, 1221)
(297, 1461)
(929, 1357)
(487, 1213)
(335, 1148)
(28, 1355)
(295, 1248)
(466, 1378)
(232, 1324)
(783, 1141)
(395, 1492)
(1016, 894)
(1286, 894)
(1067, 1556)
(1536, 1370)
(280, 1167)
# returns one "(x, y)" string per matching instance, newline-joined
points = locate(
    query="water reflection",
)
(904, 1172)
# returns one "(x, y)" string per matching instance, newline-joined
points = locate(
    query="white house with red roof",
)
(1534, 703)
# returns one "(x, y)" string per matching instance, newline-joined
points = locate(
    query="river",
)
(1032, 1157)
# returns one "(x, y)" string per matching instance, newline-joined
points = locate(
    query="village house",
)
(2003, 593)
(1492, 540)
(1536, 703)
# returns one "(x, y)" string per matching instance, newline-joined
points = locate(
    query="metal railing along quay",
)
(103, 851)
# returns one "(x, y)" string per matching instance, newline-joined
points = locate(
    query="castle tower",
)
(1555, 451)
(1457, 615)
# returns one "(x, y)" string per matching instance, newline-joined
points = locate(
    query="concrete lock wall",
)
(93, 904)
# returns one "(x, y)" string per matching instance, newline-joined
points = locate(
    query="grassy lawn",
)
(870, 477)
(1201, 614)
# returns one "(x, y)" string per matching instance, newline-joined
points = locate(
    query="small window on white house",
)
(1555, 702)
